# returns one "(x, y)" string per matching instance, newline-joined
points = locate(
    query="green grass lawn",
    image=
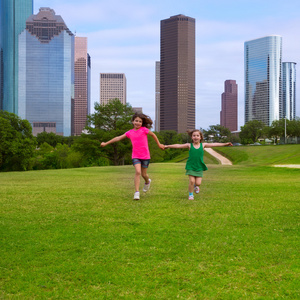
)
(262, 155)
(77, 234)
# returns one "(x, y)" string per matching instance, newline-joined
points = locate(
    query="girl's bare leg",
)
(191, 183)
(198, 181)
(137, 177)
(145, 175)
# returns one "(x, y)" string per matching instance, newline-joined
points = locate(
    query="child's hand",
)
(103, 144)
(166, 147)
(229, 144)
(162, 147)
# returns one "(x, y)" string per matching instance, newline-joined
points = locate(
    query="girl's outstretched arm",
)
(178, 146)
(161, 146)
(209, 145)
(115, 139)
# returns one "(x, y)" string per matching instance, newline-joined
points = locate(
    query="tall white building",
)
(112, 86)
(289, 90)
(263, 71)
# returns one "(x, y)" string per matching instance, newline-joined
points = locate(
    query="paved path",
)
(223, 160)
(288, 166)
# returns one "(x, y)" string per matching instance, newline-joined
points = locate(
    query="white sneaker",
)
(136, 196)
(147, 186)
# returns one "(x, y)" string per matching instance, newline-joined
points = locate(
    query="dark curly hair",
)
(147, 122)
(190, 133)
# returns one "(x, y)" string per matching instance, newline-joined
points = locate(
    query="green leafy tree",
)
(252, 131)
(169, 137)
(157, 155)
(89, 147)
(109, 121)
(50, 138)
(217, 133)
(53, 139)
(294, 126)
(277, 129)
(17, 144)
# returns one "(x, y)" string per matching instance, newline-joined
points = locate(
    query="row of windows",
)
(44, 124)
(112, 75)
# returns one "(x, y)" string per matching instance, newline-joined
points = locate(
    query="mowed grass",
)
(77, 234)
(262, 155)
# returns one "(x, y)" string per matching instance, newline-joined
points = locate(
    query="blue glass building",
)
(13, 15)
(46, 73)
(289, 90)
(263, 58)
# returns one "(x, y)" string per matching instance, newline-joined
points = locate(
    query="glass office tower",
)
(13, 15)
(289, 90)
(46, 73)
(263, 79)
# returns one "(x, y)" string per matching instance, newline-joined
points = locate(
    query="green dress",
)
(195, 164)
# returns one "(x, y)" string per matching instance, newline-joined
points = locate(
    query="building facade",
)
(229, 106)
(177, 73)
(13, 15)
(289, 90)
(46, 73)
(112, 86)
(263, 58)
(81, 102)
(157, 96)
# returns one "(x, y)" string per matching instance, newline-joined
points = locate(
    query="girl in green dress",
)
(195, 164)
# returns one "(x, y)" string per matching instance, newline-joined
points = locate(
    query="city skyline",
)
(124, 37)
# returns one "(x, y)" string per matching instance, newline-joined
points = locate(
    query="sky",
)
(124, 37)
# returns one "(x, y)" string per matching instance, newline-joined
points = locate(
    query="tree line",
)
(20, 150)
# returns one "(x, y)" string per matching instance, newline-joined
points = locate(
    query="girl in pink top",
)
(140, 150)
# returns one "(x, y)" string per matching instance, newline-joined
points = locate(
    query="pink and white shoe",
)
(196, 189)
(191, 197)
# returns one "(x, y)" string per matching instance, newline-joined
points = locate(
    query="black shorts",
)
(143, 162)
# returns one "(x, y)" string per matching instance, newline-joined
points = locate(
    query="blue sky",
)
(124, 37)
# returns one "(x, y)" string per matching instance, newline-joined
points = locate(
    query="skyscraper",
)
(177, 73)
(229, 110)
(112, 86)
(289, 90)
(81, 103)
(46, 73)
(157, 96)
(13, 15)
(263, 79)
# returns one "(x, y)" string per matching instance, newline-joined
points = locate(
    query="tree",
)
(278, 127)
(109, 121)
(17, 144)
(294, 126)
(252, 131)
(53, 139)
(217, 133)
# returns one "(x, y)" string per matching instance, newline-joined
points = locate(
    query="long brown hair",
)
(147, 122)
(190, 133)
